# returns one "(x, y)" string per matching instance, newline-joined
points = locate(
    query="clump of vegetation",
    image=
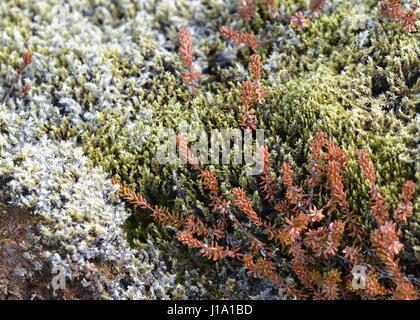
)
(393, 9)
(291, 68)
(312, 230)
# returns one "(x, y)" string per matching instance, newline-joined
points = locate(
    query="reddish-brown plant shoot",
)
(299, 21)
(315, 6)
(239, 38)
(27, 58)
(191, 76)
(245, 9)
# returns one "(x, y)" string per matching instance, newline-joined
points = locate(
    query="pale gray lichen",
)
(81, 220)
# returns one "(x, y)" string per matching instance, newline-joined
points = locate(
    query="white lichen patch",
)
(80, 217)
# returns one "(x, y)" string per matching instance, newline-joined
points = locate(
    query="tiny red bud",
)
(26, 88)
(27, 58)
